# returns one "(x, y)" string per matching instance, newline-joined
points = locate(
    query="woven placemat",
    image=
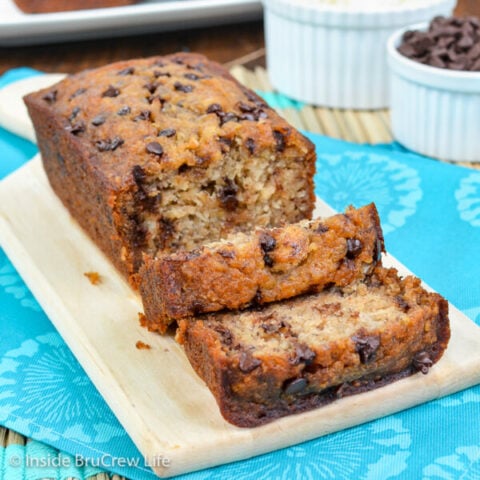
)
(354, 126)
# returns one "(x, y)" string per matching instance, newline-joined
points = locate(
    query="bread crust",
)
(113, 157)
(260, 390)
(268, 265)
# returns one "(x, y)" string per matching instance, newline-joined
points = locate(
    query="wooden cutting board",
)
(165, 408)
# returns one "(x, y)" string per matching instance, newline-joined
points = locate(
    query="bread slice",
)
(264, 266)
(296, 355)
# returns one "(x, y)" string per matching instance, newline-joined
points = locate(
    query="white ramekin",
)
(434, 111)
(325, 55)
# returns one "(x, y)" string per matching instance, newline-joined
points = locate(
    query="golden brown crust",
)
(254, 382)
(50, 6)
(118, 142)
(268, 265)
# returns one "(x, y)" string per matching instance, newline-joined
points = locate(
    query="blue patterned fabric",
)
(431, 216)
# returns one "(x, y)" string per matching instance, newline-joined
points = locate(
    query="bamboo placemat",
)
(351, 125)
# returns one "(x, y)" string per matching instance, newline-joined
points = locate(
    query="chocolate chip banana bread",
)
(262, 267)
(302, 353)
(163, 153)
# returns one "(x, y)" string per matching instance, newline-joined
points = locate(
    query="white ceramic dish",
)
(326, 55)
(435, 111)
(17, 28)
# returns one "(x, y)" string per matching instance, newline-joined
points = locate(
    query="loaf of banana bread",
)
(163, 153)
(302, 353)
(261, 267)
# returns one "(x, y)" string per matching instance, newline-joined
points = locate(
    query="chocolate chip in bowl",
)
(452, 43)
(435, 88)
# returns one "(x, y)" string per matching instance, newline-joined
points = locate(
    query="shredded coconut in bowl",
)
(373, 4)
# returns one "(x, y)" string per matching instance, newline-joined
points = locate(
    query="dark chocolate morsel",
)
(279, 140)
(124, 111)
(111, 91)
(143, 115)
(109, 144)
(228, 195)
(366, 347)
(214, 108)
(182, 87)
(250, 144)
(126, 71)
(248, 362)
(78, 92)
(422, 362)
(321, 228)
(75, 128)
(74, 113)
(138, 174)
(354, 248)
(167, 132)
(303, 354)
(99, 120)
(155, 148)
(295, 386)
(50, 97)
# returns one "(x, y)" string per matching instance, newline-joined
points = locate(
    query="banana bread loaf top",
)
(167, 152)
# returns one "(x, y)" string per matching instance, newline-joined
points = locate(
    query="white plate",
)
(18, 28)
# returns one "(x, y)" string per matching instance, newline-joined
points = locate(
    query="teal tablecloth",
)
(431, 217)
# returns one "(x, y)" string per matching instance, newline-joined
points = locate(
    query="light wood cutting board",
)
(166, 409)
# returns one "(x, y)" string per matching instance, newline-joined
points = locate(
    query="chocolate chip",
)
(124, 111)
(167, 132)
(159, 63)
(228, 195)
(99, 120)
(111, 91)
(244, 107)
(139, 175)
(248, 362)
(181, 87)
(155, 148)
(227, 117)
(279, 141)
(250, 144)
(74, 113)
(50, 97)
(422, 362)
(151, 87)
(366, 347)
(321, 228)
(75, 128)
(192, 76)
(402, 303)
(267, 244)
(109, 144)
(126, 71)
(214, 108)
(225, 334)
(451, 43)
(158, 74)
(303, 354)
(226, 253)
(295, 386)
(78, 92)
(354, 248)
(143, 115)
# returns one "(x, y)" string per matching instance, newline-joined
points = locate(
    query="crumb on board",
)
(143, 346)
(94, 277)
(142, 319)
